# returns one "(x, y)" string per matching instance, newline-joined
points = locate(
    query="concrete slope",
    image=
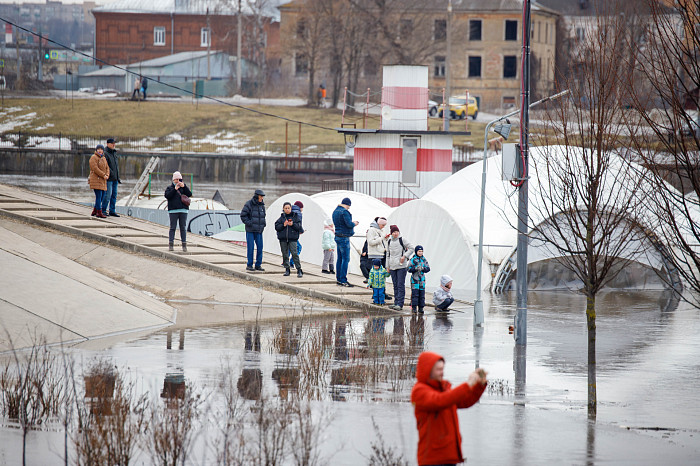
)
(44, 293)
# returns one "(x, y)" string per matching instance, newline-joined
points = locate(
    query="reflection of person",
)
(377, 280)
(110, 197)
(344, 230)
(288, 228)
(328, 246)
(416, 331)
(398, 251)
(177, 210)
(99, 173)
(253, 216)
(442, 297)
(418, 266)
(435, 405)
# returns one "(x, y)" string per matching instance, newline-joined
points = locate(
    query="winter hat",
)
(299, 204)
(418, 248)
(111, 141)
(377, 262)
(100, 146)
(393, 228)
(177, 176)
(346, 201)
(259, 192)
(445, 279)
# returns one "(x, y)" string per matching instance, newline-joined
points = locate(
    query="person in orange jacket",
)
(436, 403)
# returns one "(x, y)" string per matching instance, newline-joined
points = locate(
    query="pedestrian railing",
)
(174, 143)
(393, 193)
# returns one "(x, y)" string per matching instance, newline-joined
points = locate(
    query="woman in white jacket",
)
(398, 252)
(376, 240)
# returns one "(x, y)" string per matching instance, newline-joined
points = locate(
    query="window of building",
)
(439, 69)
(409, 160)
(301, 28)
(579, 33)
(546, 33)
(474, 67)
(508, 101)
(205, 37)
(301, 64)
(474, 29)
(510, 69)
(158, 35)
(512, 29)
(440, 32)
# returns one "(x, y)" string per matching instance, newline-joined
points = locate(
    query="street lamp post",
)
(503, 130)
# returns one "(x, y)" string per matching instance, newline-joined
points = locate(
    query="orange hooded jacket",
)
(436, 403)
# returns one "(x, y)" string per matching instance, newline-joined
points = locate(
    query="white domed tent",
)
(318, 208)
(446, 222)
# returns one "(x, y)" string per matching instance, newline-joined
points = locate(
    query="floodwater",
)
(235, 195)
(648, 356)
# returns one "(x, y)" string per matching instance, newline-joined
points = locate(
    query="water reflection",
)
(442, 322)
(181, 340)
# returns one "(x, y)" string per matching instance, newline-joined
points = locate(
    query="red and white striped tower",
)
(402, 160)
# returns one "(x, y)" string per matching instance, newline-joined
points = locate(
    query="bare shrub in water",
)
(230, 446)
(32, 390)
(383, 454)
(171, 428)
(307, 433)
(111, 417)
(270, 421)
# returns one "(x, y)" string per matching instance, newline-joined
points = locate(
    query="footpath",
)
(70, 277)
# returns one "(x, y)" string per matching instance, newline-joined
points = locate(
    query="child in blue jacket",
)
(418, 266)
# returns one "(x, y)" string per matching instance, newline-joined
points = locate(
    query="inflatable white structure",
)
(318, 208)
(446, 223)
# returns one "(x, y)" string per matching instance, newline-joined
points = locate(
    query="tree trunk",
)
(592, 387)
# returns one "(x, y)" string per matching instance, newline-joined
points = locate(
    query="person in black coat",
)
(177, 210)
(288, 228)
(253, 216)
(365, 262)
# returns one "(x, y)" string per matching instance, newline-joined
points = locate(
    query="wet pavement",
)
(648, 378)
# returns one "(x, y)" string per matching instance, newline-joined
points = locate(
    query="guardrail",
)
(167, 144)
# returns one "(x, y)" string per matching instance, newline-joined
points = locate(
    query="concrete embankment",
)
(73, 278)
(204, 167)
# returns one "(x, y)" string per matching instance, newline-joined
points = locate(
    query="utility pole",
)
(40, 71)
(239, 66)
(448, 67)
(208, 47)
(520, 331)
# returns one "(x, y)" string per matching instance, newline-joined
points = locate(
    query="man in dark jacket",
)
(288, 228)
(144, 86)
(435, 403)
(113, 181)
(253, 216)
(344, 230)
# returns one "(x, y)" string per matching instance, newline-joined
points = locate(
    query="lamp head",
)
(503, 129)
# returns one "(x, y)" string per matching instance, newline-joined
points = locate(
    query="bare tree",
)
(587, 197)
(308, 36)
(667, 103)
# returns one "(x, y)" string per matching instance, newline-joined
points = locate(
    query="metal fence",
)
(391, 191)
(167, 144)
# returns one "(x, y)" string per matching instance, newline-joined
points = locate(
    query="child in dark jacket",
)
(377, 280)
(418, 266)
(288, 228)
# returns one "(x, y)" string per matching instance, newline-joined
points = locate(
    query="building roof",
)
(190, 7)
(593, 7)
(172, 59)
(464, 5)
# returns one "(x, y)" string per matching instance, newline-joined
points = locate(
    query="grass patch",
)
(159, 119)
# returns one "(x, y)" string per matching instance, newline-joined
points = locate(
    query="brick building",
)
(128, 31)
(486, 40)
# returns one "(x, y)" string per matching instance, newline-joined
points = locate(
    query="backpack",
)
(400, 242)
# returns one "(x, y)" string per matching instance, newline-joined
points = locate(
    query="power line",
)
(242, 107)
